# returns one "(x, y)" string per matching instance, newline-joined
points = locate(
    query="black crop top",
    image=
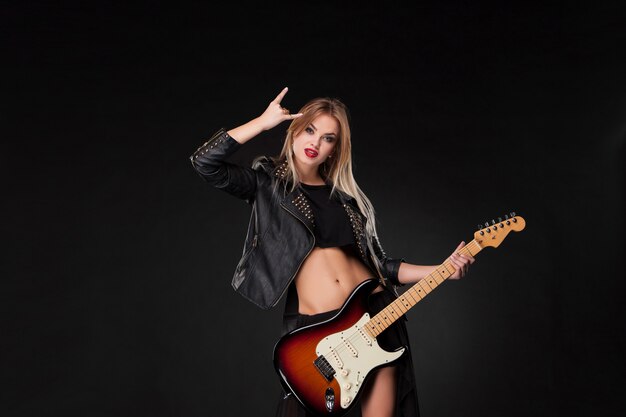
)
(332, 225)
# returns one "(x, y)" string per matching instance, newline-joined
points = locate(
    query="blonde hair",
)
(336, 170)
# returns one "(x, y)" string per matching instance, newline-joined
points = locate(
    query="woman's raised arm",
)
(272, 116)
(209, 160)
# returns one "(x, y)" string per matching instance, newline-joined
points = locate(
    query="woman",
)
(312, 235)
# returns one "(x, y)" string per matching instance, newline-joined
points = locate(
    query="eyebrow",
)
(331, 133)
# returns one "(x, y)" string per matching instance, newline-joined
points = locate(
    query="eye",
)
(329, 138)
(309, 130)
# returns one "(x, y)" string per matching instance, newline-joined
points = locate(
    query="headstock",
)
(493, 234)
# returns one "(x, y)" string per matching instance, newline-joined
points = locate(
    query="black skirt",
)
(394, 337)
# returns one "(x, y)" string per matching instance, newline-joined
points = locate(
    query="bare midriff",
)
(327, 277)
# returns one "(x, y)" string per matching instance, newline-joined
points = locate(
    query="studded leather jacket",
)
(280, 230)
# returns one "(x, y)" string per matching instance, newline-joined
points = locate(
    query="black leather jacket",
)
(280, 235)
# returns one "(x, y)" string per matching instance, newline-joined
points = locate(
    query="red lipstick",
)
(311, 153)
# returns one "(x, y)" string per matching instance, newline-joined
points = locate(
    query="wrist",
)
(410, 273)
(247, 131)
(261, 124)
(258, 125)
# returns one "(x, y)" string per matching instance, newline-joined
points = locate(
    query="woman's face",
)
(313, 145)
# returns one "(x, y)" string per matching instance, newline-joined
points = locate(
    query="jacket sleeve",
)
(209, 161)
(390, 265)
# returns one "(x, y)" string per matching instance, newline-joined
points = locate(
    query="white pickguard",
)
(353, 354)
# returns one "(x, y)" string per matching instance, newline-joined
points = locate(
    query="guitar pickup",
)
(351, 348)
(336, 358)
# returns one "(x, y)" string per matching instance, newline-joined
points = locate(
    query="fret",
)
(425, 284)
(443, 271)
(425, 287)
(379, 327)
(438, 277)
(391, 311)
(369, 331)
(414, 297)
(386, 317)
(374, 327)
(381, 321)
(473, 245)
(408, 302)
(431, 281)
(403, 304)
(420, 291)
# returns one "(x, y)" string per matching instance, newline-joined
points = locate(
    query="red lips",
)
(310, 152)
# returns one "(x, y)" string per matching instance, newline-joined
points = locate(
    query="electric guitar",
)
(325, 365)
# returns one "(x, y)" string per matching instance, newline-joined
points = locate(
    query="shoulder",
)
(269, 169)
(271, 166)
(263, 164)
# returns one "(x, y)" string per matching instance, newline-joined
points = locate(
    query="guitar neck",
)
(387, 316)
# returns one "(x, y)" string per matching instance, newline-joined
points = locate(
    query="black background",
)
(117, 258)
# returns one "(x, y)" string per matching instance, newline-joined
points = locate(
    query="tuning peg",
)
(493, 221)
(512, 214)
(480, 226)
(499, 219)
(486, 224)
(506, 217)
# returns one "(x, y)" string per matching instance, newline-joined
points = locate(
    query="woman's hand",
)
(460, 262)
(275, 113)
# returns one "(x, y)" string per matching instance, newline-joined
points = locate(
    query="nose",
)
(317, 143)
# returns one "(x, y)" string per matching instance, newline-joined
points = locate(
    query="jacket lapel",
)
(298, 205)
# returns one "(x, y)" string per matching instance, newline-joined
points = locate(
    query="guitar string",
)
(355, 335)
(341, 347)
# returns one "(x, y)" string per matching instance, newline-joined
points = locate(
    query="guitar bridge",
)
(324, 368)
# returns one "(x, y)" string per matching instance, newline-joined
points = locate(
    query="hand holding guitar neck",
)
(461, 262)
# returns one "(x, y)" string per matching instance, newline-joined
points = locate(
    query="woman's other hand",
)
(461, 262)
(272, 116)
(275, 113)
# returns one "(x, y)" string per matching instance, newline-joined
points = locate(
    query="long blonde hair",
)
(336, 170)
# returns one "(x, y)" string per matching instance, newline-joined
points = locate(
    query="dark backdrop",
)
(117, 257)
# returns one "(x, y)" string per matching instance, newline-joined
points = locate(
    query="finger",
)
(293, 116)
(456, 263)
(463, 263)
(280, 95)
(469, 258)
(459, 272)
(460, 245)
(460, 258)
(466, 262)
